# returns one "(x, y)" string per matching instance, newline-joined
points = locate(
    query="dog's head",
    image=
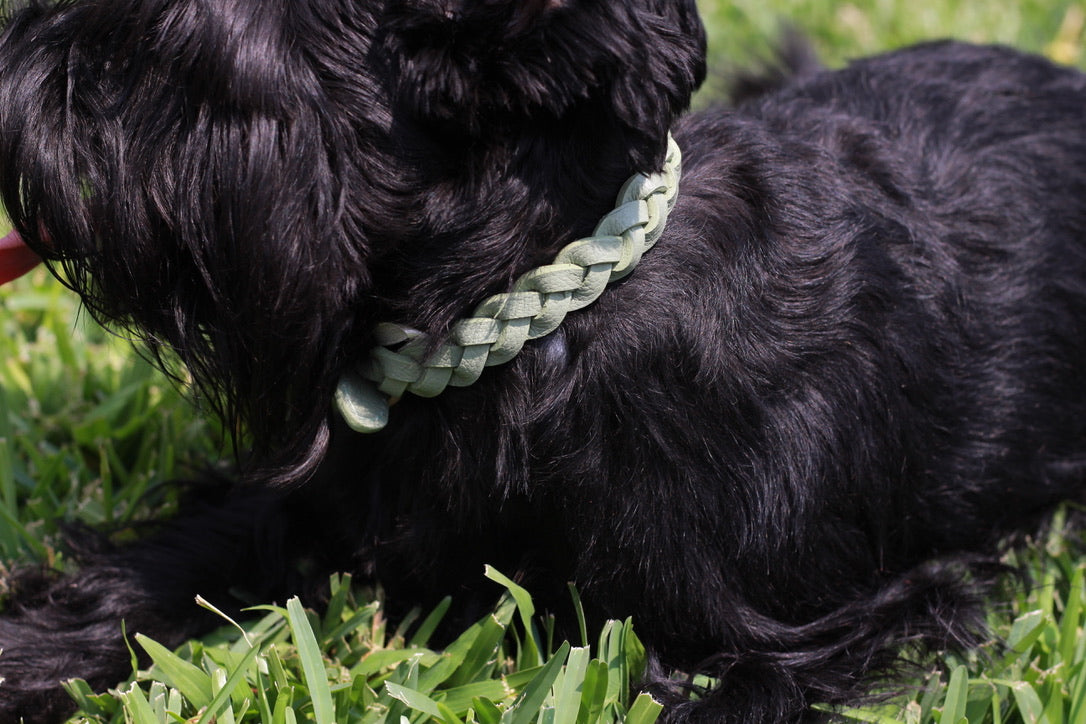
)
(252, 184)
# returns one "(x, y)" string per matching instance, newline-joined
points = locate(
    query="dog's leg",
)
(780, 672)
(54, 629)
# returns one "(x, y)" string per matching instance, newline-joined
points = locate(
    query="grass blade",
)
(229, 686)
(531, 699)
(645, 710)
(430, 623)
(137, 709)
(187, 678)
(567, 695)
(594, 692)
(413, 698)
(1029, 703)
(316, 678)
(956, 696)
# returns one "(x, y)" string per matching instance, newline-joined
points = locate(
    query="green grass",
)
(89, 431)
(842, 30)
(348, 665)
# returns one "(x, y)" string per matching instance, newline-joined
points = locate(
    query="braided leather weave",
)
(499, 327)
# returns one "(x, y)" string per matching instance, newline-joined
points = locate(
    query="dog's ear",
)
(482, 66)
(463, 62)
(661, 48)
(194, 189)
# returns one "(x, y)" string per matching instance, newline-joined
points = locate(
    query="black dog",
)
(786, 443)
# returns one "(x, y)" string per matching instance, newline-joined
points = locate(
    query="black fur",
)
(786, 445)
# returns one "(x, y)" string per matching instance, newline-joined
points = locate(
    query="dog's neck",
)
(478, 213)
(406, 360)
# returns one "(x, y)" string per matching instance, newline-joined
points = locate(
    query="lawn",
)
(88, 432)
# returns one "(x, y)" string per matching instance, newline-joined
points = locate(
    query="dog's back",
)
(893, 321)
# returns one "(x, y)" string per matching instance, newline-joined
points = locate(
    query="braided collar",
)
(540, 299)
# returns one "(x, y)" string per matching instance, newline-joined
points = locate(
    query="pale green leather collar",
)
(499, 327)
